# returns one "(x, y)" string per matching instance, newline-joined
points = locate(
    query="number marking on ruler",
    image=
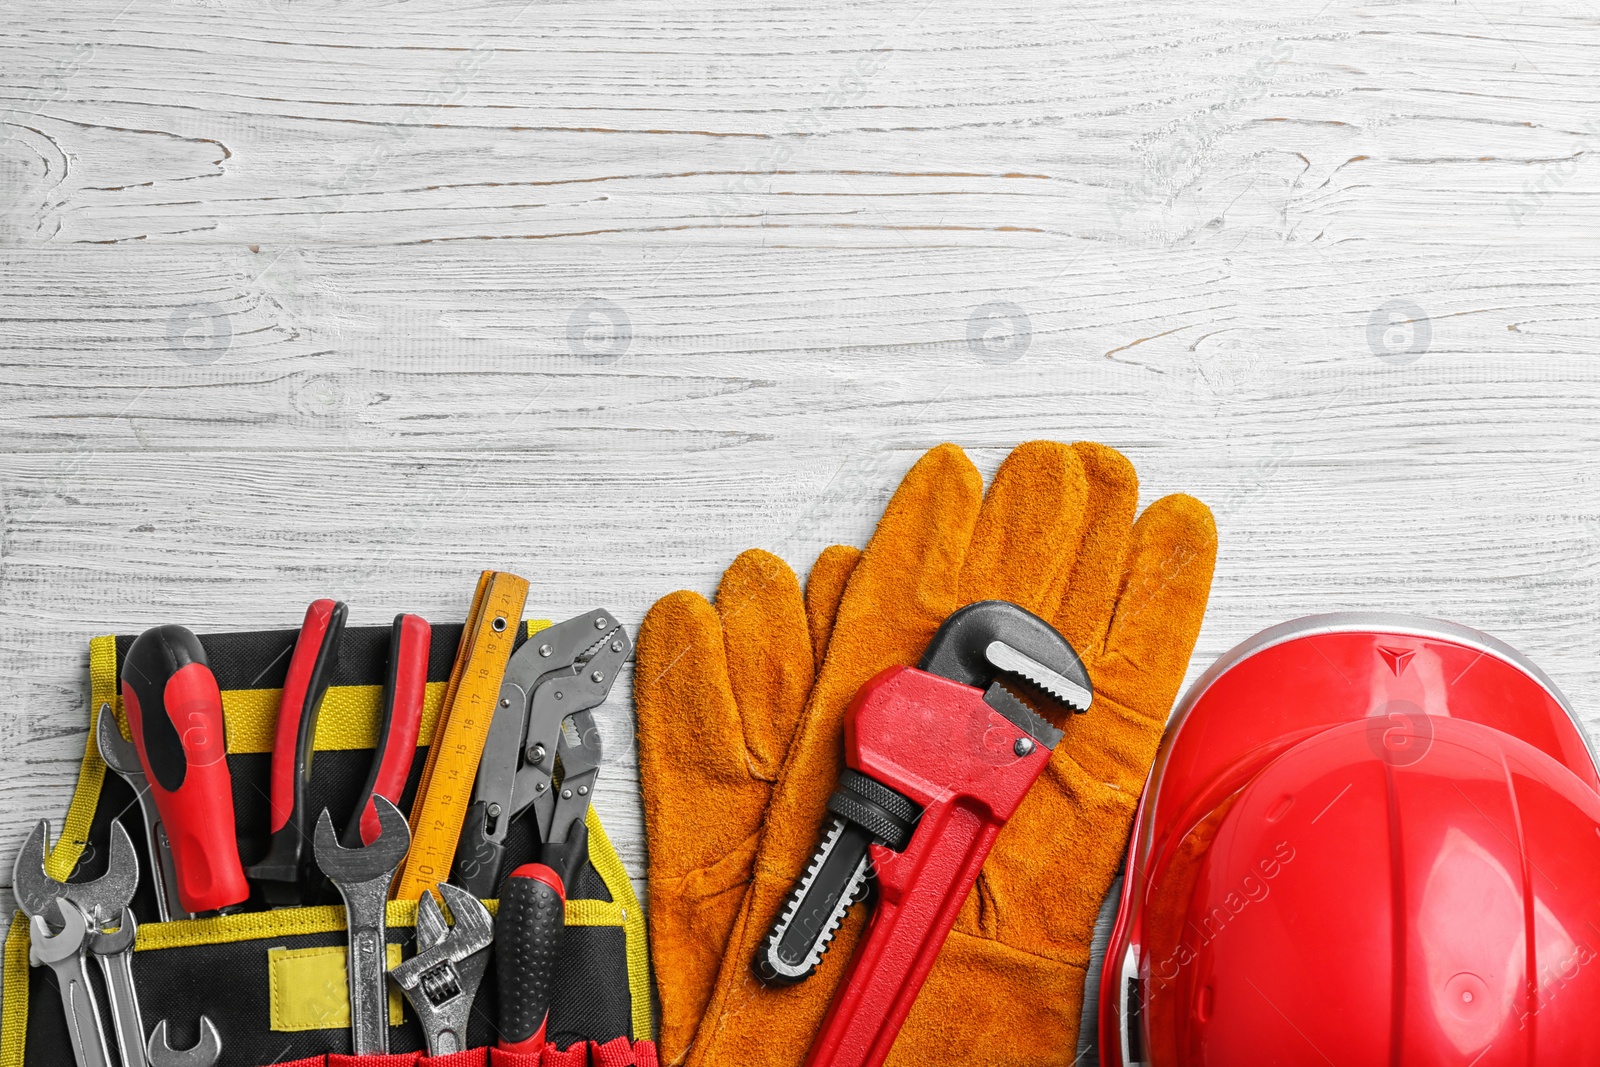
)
(446, 786)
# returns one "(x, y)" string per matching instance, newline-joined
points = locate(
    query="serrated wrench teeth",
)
(1005, 658)
(816, 906)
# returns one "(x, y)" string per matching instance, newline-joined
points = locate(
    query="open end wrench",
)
(204, 1053)
(122, 756)
(362, 876)
(114, 950)
(101, 902)
(441, 980)
(64, 953)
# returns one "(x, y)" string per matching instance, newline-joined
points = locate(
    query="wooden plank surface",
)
(301, 299)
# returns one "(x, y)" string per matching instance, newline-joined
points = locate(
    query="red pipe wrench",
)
(938, 759)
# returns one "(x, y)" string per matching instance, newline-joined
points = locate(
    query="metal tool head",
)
(118, 752)
(993, 644)
(572, 640)
(104, 943)
(100, 899)
(471, 926)
(577, 659)
(551, 683)
(432, 926)
(366, 862)
(439, 939)
(559, 725)
(204, 1053)
(45, 948)
(441, 980)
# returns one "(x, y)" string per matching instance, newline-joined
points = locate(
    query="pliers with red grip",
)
(283, 874)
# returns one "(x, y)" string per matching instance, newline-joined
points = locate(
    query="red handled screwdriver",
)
(174, 713)
(527, 941)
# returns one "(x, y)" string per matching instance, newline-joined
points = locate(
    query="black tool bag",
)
(273, 981)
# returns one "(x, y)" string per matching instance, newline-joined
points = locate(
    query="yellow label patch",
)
(308, 990)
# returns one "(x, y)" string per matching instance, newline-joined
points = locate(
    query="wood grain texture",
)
(301, 299)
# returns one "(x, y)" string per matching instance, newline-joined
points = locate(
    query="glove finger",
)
(1081, 610)
(906, 581)
(685, 704)
(702, 804)
(1029, 527)
(1152, 635)
(768, 654)
(824, 589)
(900, 590)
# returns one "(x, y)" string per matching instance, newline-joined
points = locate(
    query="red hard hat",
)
(1368, 839)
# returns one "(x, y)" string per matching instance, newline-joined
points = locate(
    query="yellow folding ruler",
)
(445, 789)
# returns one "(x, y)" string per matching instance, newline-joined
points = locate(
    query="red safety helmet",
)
(1368, 839)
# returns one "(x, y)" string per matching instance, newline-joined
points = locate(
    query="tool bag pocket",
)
(272, 981)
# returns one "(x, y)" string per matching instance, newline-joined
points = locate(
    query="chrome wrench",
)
(442, 978)
(98, 903)
(64, 953)
(203, 1053)
(114, 950)
(362, 876)
(121, 756)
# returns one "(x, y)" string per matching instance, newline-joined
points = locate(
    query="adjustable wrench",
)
(362, 876)
(442, 978)
(63, 953)
(122, 756)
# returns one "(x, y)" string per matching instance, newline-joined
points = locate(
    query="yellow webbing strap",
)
(14, 1012)
(92, 772)
(348, 719)
(259, 925)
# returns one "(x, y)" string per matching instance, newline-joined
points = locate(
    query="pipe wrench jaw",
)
(994, 643)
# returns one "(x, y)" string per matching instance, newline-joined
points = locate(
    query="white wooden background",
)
(301, 298)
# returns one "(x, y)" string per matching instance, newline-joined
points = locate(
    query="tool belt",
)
(273, 981)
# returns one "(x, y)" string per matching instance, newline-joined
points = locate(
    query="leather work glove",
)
(1056, 535)
(719, 691)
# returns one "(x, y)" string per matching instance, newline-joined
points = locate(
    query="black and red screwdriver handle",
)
(527, 936)
(282, 870)
(174, 711)
(400, 719)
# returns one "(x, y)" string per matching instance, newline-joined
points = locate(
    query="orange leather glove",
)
(718, 691)
(1055, 534)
